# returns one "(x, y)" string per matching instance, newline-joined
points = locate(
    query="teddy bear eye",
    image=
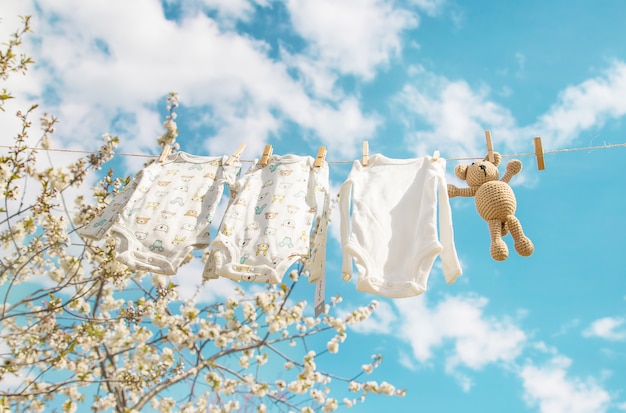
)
(473, 163)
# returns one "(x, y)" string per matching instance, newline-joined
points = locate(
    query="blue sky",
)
(546, 333)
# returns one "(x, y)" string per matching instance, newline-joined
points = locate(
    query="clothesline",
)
(270, 220)
(514, 155)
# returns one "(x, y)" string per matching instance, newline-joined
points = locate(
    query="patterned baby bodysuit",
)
(267, 224)
(166, 212)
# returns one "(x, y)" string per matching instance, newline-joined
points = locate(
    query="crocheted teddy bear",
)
(495, 202)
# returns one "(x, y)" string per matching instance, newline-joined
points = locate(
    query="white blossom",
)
(330, 405)
(354, 386)
(123, 338)
(332, 346)
(293, 275)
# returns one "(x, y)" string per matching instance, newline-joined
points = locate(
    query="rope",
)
(514, 155)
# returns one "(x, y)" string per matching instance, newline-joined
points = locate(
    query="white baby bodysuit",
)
(392, 232)
(166, 212)
(267, 224)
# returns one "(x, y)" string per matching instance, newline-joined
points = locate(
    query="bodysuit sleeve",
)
(345, 197)
(449, 258)
(318, 253)
(100, 224)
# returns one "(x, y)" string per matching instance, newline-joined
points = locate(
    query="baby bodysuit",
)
(267, 224)
(392, 233)
(166, 212)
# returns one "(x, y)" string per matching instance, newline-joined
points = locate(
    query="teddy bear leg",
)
(499, 250)
(523, 245)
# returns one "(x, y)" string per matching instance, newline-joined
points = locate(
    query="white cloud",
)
(456, 115)
(189, 282)
(93, 72)
(607, 328)
(586, 105)
(352, 36)
(315, 76)
(344, 127)
(456, 326)
(548, 388)
(451, 114)
(229, 10)
(478, 339)
(11, 381)
(431, 7)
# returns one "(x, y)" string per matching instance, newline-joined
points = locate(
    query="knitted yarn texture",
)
(495, 203)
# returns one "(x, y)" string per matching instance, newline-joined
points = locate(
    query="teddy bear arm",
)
(512, 168)
(465, 192)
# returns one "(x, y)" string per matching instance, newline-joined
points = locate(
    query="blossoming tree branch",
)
(80, 331)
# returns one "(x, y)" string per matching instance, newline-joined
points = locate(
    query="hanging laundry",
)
(166, 211)
(267, 225)
(391, 233)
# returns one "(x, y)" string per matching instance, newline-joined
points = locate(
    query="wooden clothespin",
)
(165, 151)
(490, 156)
(235, 156)
(539, 154)
(267, 152)
(321, 154)
(366, 154)
(436, 156)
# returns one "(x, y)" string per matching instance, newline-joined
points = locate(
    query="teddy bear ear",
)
(461, 171)
(496, 158)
